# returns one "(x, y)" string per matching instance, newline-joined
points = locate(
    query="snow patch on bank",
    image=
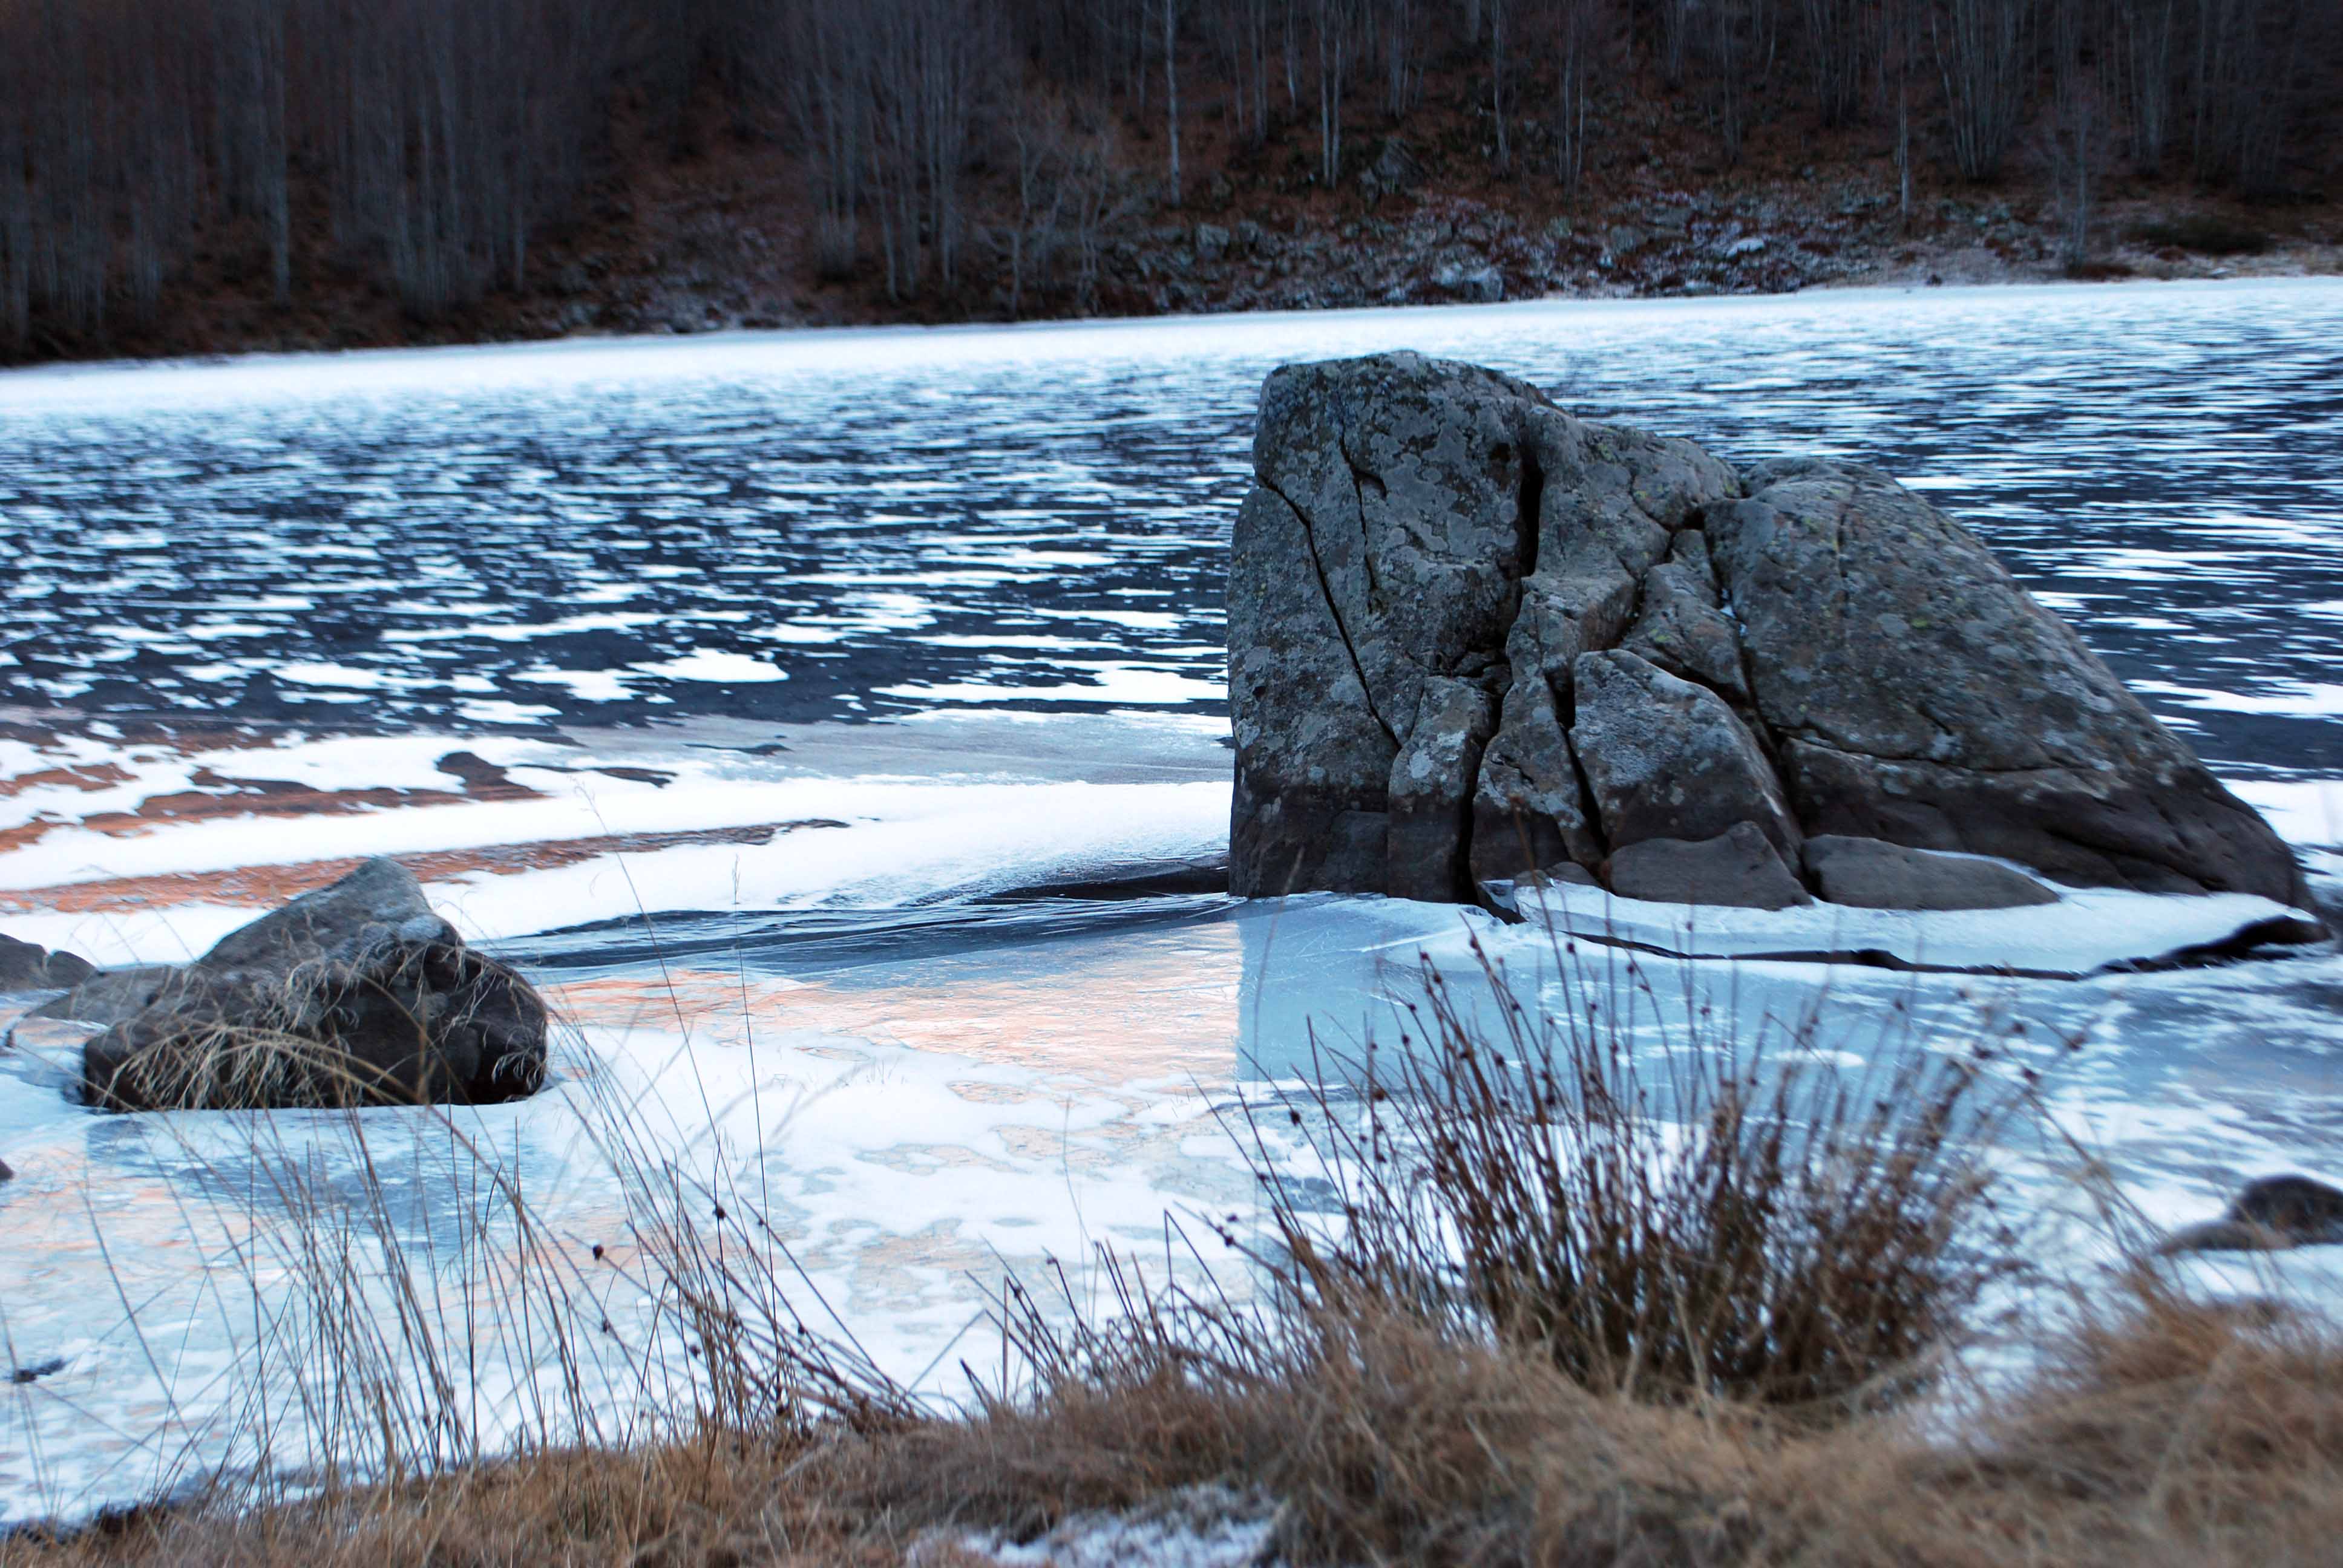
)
(1199, 1527)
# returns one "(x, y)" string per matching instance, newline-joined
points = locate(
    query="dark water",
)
(840, 525)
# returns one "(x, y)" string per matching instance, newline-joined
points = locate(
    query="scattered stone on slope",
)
(1472, 637)
(356, 993)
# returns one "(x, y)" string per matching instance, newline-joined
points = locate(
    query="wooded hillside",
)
(979, 157)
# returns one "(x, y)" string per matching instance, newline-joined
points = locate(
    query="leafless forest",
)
(426, 146)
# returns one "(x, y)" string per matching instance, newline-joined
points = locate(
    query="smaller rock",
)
(1738, 868)
(7, 1173)
(69, 968)
(2271, 1215)
(1508, 894)
(1873, 874)
(24, 966)
(354, 994)
(1393, 168)
(1212, 242)
(1481, 284)
(379, 893)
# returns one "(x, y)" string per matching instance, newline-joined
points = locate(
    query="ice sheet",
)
(919, 1112)
(2086, 931)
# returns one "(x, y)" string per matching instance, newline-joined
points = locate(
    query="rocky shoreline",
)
(679, 264)
(1669, 245)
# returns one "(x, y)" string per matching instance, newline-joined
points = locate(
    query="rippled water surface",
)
(837, 525)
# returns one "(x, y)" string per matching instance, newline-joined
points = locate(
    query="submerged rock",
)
(2272, 1214)
(1468, 630)
(354, 994)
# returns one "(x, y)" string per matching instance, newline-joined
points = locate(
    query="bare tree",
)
(1899, 44)
(1171, 9)
(1396, 27)
(1981, 55)
(1336, 22)
(1838, 46)
(1577, 35)
(2148, 48)
(2076, 126)
(1497, 14)
(828, 88)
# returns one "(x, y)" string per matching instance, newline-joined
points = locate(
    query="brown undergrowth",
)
(2177, 1435)
(1520, 1295)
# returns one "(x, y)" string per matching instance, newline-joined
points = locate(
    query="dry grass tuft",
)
(1728, 1220)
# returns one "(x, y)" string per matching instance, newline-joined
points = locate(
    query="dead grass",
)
(2173, 1434)
(1528, 1328)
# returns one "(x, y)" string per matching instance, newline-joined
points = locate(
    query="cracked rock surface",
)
(1472, 636)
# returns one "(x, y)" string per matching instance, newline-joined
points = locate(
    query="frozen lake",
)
(835, 721)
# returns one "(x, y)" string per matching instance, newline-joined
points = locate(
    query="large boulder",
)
(354, 994)
(1474, 638)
